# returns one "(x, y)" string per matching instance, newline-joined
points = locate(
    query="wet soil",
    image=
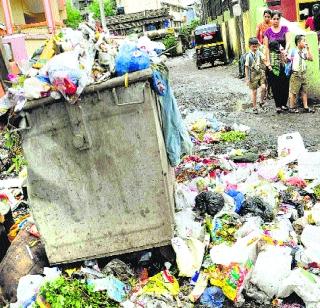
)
(219, 90)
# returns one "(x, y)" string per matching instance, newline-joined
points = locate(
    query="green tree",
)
(109, 8)
(74, 17)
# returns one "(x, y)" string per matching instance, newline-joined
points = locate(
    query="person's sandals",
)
(279, 110)
(308, 110)
(285, 108)
(255, 110)
(293, 110)
(261, 104)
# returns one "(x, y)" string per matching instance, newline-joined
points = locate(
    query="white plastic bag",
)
(242, 251)
(184, 197)
(189, 255)
(304, 284)
(252, 224)
(310, 238)
(28, 287)
(290, 146)
(273, 266)
(186, 226)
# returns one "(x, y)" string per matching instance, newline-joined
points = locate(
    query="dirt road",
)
(218, 89)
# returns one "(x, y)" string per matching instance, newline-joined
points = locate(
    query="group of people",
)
(278, 67)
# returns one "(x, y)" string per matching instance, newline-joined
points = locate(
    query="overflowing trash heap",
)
(247, 229)
(73, 59)
(247, 224)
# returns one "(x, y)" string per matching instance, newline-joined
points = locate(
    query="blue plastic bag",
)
(131, 59)
(238, 198)
(212, 297)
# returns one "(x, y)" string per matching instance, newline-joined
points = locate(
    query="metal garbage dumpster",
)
(98, 175)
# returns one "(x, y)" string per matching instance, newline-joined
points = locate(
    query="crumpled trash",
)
(118, 269)
(66, 75)
(304, 284)
(162, 284)
(200, 286)
(259, 296)
(36, 88)
(212, 297)
(272, 267)
(107, 53)
(115, 288)
(291, 196)
(189, 255)
(223, 227)
(246, 157)
(231, 279)
(297, 182)
(257, 207)
(209, 202)
(150, 301)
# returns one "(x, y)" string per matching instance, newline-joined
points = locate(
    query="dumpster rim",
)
(116, 82)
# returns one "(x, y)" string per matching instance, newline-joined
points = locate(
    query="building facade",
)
(28, 23)
(175, 7)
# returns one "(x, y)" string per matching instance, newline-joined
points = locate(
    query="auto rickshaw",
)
(209, 45)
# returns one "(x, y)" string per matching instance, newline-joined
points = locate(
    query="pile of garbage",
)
(73, 59)
(247, 228)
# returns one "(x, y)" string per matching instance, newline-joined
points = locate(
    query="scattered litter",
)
(116, 289)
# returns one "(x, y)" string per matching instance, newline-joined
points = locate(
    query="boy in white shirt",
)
(298, 80)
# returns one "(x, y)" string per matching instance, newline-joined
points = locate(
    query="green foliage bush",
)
(109, 8)
(74, 17)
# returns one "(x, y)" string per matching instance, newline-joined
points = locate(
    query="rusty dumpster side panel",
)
(98, 175)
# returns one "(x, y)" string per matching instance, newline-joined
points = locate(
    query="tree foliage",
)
(109, 8)
(74, 17)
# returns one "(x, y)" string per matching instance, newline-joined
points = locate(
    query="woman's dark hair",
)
(267, 11)
(276, 13)
(316, 16)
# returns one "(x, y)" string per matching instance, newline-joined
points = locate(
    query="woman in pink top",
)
(276, 43)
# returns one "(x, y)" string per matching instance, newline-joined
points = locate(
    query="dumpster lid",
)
(109, 84)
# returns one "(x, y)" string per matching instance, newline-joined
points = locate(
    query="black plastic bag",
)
(209, 202)
(257, 207)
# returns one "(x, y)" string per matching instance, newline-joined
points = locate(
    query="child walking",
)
(255, 73)
(298, 80)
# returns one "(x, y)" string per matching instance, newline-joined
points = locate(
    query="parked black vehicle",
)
(209, 45)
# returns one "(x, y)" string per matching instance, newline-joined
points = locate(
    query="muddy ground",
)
(219, 90)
